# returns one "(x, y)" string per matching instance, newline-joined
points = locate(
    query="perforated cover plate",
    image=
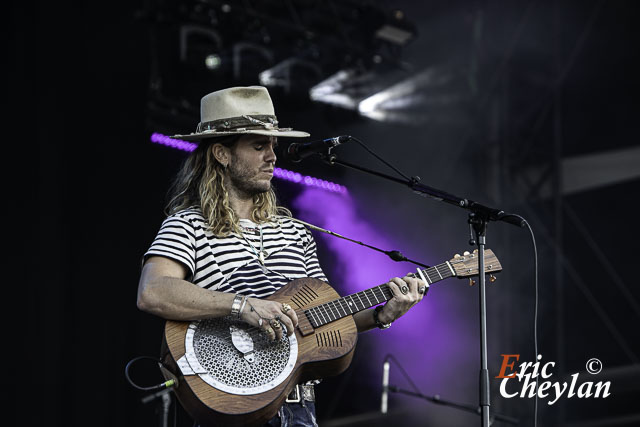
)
(212, 356)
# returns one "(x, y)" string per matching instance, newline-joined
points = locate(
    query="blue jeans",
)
(301, 414)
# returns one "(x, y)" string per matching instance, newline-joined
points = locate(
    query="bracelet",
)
(244, 302)
(235, 305)
(377, 321)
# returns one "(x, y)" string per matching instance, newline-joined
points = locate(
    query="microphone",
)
(385, 387)
(301, 150)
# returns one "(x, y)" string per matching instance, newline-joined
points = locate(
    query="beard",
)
(244, 179)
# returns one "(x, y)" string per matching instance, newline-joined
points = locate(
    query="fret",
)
(317, 308)
(431, 273)
(313, 320)
(438, 273)
(426, 276)
(374, 295)
(453, 273)
(422, 277)
(338, 316)
(342, 303)
(367, 296)
(353, 301)
(381, 289)
(349, 303)
(325, 307)
(386, 291)
(360, 298)
(335, 309)
(325, 314)
(445, 270)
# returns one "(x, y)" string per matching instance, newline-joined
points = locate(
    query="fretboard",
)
(351, 304)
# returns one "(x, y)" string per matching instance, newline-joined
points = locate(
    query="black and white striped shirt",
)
(231, 264)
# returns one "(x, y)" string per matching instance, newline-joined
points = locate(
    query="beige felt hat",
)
(236, 111)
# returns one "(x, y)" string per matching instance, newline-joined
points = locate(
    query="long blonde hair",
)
(201, 182)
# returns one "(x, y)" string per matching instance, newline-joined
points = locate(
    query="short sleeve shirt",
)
(232, 263)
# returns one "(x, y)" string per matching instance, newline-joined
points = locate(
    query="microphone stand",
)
(479, 217)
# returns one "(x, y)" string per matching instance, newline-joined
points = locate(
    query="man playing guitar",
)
(226, 245)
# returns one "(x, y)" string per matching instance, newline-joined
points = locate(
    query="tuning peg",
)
(472, 282)
(492, 278)
(466, 253)
(456, 256)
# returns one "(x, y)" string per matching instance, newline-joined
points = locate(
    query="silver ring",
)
(423, 290)
(404, 289)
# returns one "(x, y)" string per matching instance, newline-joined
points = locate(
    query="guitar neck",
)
(337, 309)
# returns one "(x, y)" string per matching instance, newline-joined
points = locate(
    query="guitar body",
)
(324, 351)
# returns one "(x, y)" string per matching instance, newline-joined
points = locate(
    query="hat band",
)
(239, 123)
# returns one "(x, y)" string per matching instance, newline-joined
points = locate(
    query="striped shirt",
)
(231, 264)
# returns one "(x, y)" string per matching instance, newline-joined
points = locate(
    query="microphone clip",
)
(299, 151)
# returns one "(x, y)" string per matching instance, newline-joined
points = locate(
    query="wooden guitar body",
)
(323, 351)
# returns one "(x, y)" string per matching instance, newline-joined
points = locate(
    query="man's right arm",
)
(163, 291)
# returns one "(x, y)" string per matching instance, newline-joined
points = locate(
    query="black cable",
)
(535, 311)
(370, 151)
(404, 373)
(165, 384)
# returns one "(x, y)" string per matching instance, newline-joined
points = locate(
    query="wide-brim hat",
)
(237, 111)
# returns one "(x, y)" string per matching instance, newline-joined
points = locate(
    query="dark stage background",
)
(511, 99)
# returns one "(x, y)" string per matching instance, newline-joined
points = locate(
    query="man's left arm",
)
(392, 310)
(396, 307)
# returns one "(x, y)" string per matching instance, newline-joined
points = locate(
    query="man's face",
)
(251, 164)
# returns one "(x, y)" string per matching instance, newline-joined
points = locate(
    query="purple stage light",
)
(309, 181)
(159, 138)
(280, 173)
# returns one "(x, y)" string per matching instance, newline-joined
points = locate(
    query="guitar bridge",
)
(304, 325)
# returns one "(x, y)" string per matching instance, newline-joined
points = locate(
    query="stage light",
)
(394, 35)
(212, 61)
(309, 181)
(329, 91)
(196, 42)
(361, 91)
(424, 96)
(179, 144)
(397, 31)
(291, 73)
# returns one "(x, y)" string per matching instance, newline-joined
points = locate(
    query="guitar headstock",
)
(466, 265)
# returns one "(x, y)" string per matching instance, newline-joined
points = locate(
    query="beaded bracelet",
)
(377, 321)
